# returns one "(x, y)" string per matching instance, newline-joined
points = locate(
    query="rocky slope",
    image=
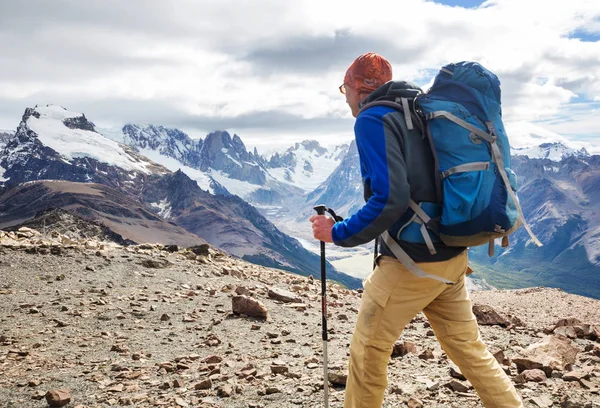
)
(149, 326)
(109, 207)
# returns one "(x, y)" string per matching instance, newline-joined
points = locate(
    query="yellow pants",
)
(392, 297)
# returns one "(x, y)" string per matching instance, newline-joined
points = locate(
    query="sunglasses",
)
(342, 89)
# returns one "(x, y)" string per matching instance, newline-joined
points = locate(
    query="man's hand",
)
(321, 226)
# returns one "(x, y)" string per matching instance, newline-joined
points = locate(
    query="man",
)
(397, 165)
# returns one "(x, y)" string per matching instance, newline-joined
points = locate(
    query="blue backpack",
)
(464, 124)
(462, 119)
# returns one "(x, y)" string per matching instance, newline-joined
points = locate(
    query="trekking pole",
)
(320, 209)
(375, 252)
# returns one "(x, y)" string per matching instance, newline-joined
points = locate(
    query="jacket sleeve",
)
(384, 169)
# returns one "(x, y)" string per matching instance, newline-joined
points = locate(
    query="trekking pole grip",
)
(320, 209)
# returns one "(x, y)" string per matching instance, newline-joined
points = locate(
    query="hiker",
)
(397, 165)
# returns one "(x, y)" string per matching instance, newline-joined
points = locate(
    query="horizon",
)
(274, 83)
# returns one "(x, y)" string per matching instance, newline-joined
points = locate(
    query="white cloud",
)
(205, 64)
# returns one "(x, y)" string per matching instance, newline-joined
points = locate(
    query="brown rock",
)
(214, 359)
(181, 402)
(501, 357)
(571, 401)
(588, 385)
(248, 306)
(457, 386)
(455, 373)
(204, 385)
(535, 375)
(570, 321)
(414, 403)
(284, 296)
(399, 350)
(427, 355)
(225, 390)
(489, 317)
(567, 331)
(155, 263)
(542, 402)
(58, 398)
(337, 378)
(552, 353)
(241, 290)
(576, 375)
(200, 250)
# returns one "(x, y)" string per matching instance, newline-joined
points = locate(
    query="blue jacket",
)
(396, 164)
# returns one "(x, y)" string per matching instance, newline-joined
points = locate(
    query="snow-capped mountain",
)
(555, 151)
(54, 143)
(221, 163)
(342, 190)
(306, 164)
(5, 136)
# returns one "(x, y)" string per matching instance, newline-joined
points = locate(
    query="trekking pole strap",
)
(407, 261)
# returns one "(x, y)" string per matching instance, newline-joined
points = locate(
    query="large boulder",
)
(550, 354)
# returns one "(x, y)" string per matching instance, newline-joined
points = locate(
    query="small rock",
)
(165, 317)
(284, 296)
(542, 402)
(570, 401)
(155, 263)
(427, 355)
(501, 357)
(248, 306)
(58, 398)
(414, 403)
(337, 378)
(457, 386)
(181, 402)
(272, 390)
(178, 383)
(455, 373)
(34, 383)
(213, 359)
(225, 390)
(200, 250)
(575, 375)
(487, 316)
(204, 385)
(535, 375)
(401, 348)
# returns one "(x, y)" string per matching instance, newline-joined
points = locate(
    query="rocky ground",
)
(93, 324)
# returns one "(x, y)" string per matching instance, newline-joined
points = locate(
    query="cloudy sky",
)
(269, 70)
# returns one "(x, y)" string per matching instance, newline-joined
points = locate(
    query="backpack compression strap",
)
(407, 261)
(496, 157)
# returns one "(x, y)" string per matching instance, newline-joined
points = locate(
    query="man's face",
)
(352, 98)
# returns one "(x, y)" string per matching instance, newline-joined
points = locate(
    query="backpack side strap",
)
(497, 157)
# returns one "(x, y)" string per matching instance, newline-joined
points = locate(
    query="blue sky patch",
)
(585, 36)
(461, 3)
